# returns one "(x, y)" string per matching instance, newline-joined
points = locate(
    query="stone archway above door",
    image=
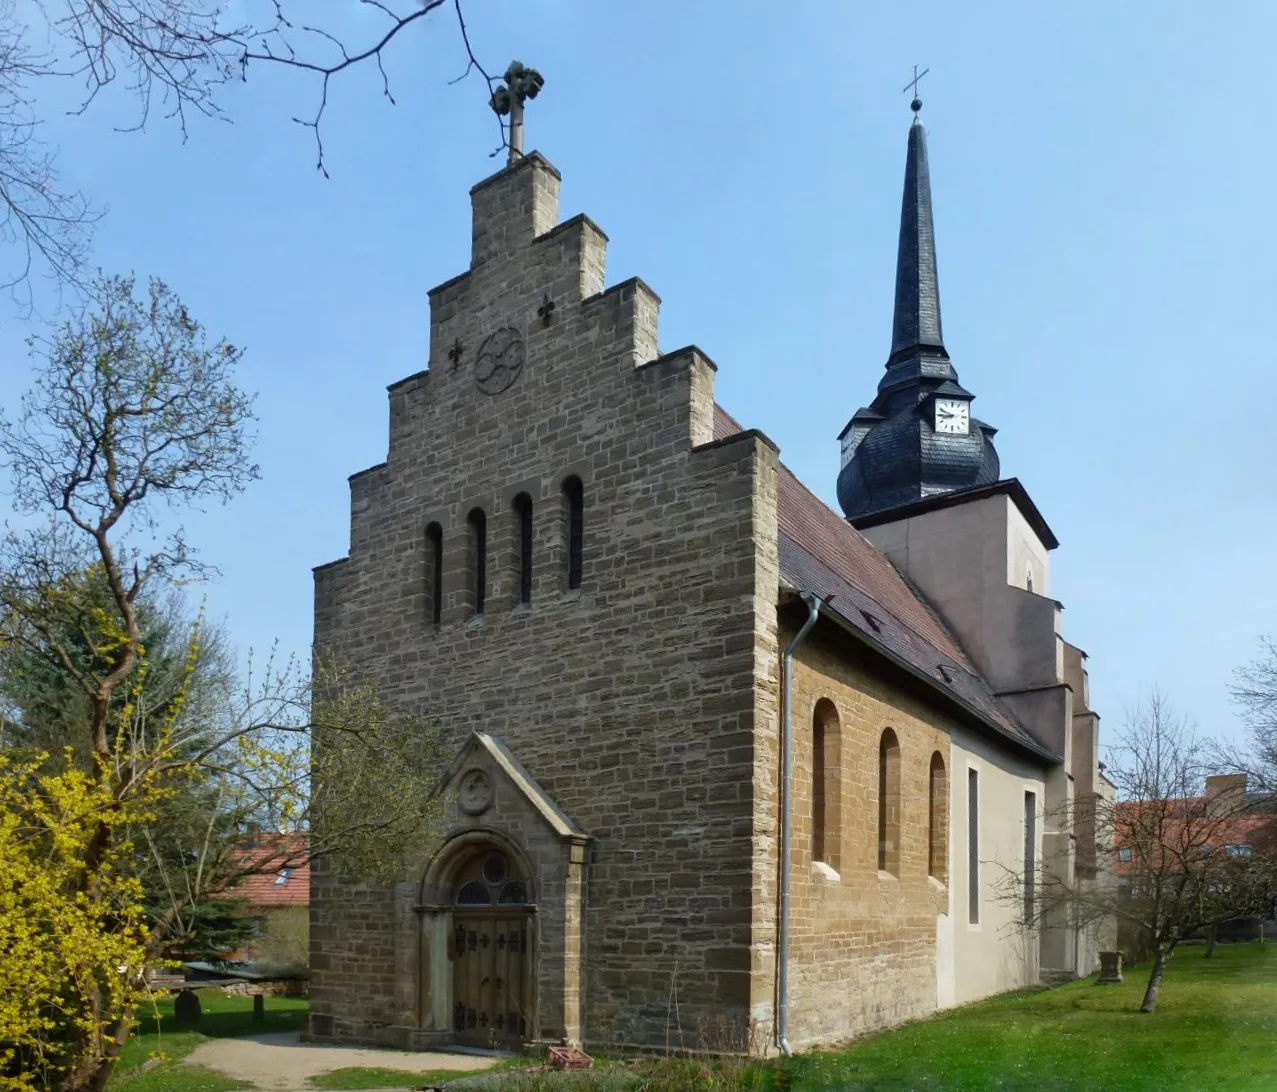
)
(494, 808)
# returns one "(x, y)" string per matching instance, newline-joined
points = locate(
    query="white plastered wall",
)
(975, 961)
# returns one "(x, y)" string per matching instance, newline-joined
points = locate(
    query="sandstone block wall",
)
(863, 941)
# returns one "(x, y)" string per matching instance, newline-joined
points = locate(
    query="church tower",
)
(918, 437)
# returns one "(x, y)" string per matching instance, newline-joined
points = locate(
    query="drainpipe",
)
(814, 603)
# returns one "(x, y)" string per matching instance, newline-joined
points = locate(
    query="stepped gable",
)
(821, 552)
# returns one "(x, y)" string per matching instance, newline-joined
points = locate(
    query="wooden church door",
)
(490, 978)
(491, 966)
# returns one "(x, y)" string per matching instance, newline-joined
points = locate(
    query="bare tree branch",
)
(172, 58)
(1174, 858)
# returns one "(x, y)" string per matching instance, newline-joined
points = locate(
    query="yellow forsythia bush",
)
(72, 928)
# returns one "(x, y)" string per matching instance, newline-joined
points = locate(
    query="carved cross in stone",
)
(916, 105)
(521, 83)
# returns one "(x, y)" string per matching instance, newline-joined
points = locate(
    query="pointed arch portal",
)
(500, 909)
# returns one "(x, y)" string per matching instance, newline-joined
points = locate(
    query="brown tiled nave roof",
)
(821, 552)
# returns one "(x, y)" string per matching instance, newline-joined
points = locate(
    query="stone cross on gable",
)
(521, 83)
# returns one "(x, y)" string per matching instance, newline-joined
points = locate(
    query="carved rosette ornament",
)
(499, 362)
(474, 795)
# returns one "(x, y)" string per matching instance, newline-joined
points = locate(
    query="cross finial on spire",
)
(521, 83)
(916, 105)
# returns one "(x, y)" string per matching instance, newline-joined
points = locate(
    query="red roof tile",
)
(276, 854)
(1177, 825)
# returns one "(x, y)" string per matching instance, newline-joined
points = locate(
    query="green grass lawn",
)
(361, 1077)
(223, 1016)
(1215, 1029)
(377, 1077)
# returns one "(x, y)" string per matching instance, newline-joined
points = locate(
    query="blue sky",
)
(1104, 221)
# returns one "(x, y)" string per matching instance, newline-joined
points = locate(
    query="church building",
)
(730, 769)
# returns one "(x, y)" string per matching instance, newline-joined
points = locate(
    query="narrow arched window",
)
(938, 821)
(826, 768)
(574, 522)
(889, 803)
(523, 539)
(434, 572)
(477, 523)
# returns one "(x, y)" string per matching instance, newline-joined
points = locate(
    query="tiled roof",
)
(822, 553)
(285, 880)
(1177, 826)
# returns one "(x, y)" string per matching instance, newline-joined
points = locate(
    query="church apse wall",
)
(557, 555)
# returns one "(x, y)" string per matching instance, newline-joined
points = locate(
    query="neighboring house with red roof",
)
(284, 879)
(1225, 822)
(723, 756)
(281, 891)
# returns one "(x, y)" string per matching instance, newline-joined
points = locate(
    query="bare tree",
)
(1170, 850)
(1254, 691)
(134, 417)
(172, 57)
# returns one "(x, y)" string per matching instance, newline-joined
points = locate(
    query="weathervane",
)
(916, 105)
(521, 84)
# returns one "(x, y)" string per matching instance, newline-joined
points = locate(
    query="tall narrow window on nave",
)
(889, 803)
(973, 847)
(938, 820)
(826, 784)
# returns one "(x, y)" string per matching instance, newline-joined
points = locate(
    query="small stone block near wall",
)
(1110, 968)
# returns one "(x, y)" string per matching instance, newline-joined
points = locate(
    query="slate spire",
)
(917, 311)
(917, 438)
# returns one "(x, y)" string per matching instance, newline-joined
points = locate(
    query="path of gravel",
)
(281, 1062)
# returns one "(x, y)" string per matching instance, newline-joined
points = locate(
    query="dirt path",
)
(282, 1062)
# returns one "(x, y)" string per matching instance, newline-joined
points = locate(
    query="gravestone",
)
(1110, 968)
(259, 1008)
(186, 1007)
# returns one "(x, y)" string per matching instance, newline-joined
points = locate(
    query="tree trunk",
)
(90, 1074)
(93, 1069)
(1210, 942)
(1155, 979)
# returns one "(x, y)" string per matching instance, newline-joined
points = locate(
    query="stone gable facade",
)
(635, 698)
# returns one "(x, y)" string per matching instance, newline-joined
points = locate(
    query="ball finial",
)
(912, 85)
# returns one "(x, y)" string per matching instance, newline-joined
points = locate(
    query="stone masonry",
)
(863, 947)
(632, 699)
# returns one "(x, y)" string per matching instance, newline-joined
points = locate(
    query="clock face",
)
(953, 416)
